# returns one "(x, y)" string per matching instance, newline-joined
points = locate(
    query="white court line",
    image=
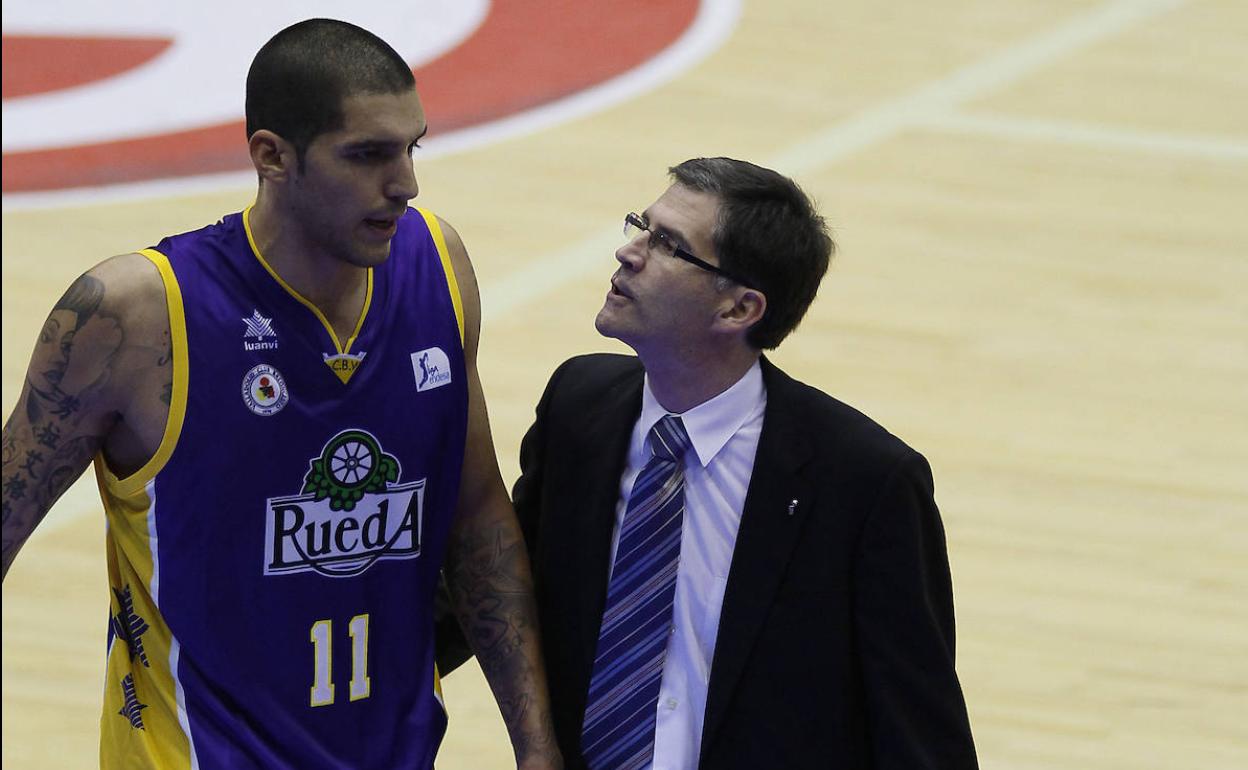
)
(132, 192)
(541, 277)
(981, 124)
(974, 81)
(935, 100)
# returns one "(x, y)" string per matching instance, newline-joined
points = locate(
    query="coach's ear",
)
(740, 308)
(274, 157)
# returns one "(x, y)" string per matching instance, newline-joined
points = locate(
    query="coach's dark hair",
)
(298, 80)
(767, 232)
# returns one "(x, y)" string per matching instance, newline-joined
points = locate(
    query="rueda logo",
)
(352, 512)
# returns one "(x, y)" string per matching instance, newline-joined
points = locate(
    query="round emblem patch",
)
(264, 390)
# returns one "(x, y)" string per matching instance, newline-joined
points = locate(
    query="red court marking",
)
(516, 60)
(37, 64)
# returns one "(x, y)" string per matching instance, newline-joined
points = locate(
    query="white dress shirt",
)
(724, 432)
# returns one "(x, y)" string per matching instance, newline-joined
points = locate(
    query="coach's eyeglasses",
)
(663, 244)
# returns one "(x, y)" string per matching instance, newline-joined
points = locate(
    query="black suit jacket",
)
(836, 638)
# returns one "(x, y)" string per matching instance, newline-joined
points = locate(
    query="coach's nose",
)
(632, 254)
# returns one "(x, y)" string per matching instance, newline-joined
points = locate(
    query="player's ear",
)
(274, 157)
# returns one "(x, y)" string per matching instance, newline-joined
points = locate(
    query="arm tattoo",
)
(82, 298)
(163, 361)
(51, 391)
(485, 590)
(32, 486)
(47, 450)
(494, 603)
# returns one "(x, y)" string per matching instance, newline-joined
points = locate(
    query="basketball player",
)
(286, 421)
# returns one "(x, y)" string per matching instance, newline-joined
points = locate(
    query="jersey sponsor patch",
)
(344, 364)
(259, 329)
(352, 512)
(264, 390)
(432, 369)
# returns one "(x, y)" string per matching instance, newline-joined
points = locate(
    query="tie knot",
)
(668, 439)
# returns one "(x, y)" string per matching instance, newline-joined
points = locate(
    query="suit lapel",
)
(770, 525)
(609, 422)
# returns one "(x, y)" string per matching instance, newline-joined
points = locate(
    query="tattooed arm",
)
(487, 567)
(100, 351)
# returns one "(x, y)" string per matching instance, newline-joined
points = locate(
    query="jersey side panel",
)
(140, 724)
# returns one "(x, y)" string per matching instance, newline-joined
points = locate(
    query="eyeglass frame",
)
(634, 220)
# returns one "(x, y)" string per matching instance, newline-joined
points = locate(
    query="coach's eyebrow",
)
(679, 238)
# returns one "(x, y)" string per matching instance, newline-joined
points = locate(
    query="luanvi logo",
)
(260, 329)
(352, 512)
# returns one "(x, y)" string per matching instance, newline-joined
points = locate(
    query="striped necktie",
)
(628, 668)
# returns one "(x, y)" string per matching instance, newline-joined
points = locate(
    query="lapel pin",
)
(792, 506)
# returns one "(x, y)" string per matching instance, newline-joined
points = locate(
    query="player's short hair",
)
(298, 80)
(768, 233)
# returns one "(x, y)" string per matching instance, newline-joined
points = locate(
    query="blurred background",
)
(1040, 207)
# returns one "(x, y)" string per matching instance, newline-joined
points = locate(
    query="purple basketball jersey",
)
(273, 567)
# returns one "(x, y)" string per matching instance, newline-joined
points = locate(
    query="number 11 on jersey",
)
(323, 660)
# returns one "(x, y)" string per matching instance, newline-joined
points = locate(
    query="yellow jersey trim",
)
(437, 688)
(368, 293)
(181, 377)
(165, 740)
(439, 240)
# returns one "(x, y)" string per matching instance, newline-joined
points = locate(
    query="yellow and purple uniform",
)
(273, 567)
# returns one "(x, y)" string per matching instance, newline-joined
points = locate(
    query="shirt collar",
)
(711, 423)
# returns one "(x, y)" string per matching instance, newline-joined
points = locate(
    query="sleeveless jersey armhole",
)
(448, 268)
(177, 401)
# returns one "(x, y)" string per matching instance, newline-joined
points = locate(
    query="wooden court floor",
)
(1042, 286)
